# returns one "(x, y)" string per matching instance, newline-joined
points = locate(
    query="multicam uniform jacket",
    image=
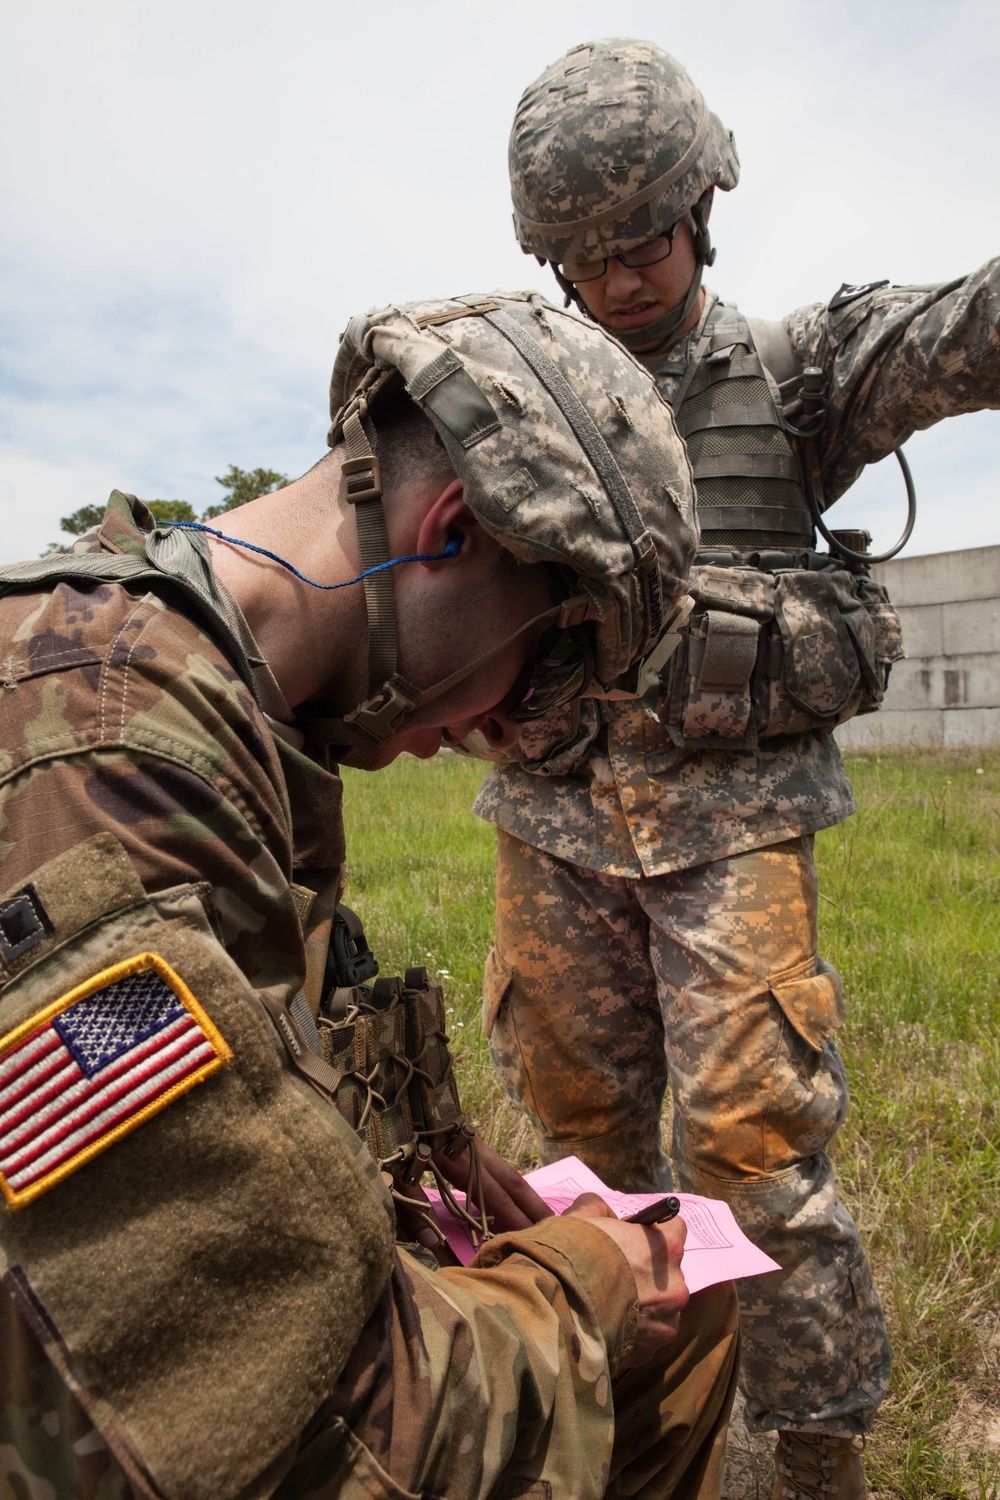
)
(609, 790)
(195, 1263)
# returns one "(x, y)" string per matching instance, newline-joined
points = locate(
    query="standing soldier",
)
(656, 890)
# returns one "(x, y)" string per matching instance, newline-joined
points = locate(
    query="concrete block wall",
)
(946, 693)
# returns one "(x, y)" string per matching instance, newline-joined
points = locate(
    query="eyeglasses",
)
(560, 669)
(648, 254)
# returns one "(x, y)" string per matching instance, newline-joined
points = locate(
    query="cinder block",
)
(914, 685)
(922, 629)
(904, 730)
(948, 682)
(942, 577)
(972, 727)
(970, 626)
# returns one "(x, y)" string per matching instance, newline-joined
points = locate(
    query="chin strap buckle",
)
(651, 668)
(574, 611)
(379, 716)
(364, 479)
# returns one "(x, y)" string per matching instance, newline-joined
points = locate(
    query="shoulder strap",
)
(777, 353)
(101, 567)
(130, 567)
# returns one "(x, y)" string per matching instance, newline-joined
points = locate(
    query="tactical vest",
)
(782, 639)
(746, 473)
(378, 1053)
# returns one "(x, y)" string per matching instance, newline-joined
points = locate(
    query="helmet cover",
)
(513, 437)
(611, 145)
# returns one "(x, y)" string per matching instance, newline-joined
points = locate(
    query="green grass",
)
(910, 914)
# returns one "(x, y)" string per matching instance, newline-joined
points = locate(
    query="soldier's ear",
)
(448, 519)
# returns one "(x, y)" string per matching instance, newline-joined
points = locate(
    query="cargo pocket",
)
(500, 1031)
(811, 998)
(821, 669)
(497, 980)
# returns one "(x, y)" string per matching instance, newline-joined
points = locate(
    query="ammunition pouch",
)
(386, 1045)
(777, 644)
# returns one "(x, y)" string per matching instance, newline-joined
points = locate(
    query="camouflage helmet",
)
(609, 147)
(567, 452)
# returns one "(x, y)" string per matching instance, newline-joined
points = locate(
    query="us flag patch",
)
(93, 1065)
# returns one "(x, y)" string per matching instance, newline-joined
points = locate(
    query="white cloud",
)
(202, 192)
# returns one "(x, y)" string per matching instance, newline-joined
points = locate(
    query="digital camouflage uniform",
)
(213, 1305)
(657, 905)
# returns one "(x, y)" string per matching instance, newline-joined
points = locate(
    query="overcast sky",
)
(196, 195)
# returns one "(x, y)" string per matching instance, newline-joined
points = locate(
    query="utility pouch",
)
(713, 674)
(721, 656)
(773, 650)
(387, 1044)
(839, 637)
(368, 1053)
(821, 662)
(887, 632)
(434, 1090)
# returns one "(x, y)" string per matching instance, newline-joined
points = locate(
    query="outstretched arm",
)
(897, 360)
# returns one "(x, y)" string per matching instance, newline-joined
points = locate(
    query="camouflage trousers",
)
(458, 1388)
(601, 990)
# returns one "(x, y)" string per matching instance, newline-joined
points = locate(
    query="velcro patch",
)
(93, 1065)
(848, 293)
(453, 399)
(23, 923)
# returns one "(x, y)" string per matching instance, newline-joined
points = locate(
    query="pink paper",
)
(716, 1248)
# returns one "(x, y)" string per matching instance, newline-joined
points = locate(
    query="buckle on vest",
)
(650, 671)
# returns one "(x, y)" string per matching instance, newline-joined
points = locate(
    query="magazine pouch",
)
(783, 651)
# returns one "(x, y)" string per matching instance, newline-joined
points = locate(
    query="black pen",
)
(660, 1212)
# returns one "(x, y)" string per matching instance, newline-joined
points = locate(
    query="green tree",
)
(91, 515)
(81, 520)
(171, 510)
(242, 485)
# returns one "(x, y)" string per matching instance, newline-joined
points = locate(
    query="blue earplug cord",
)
(452, 549)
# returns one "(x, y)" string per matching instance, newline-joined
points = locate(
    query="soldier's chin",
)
(368, 755)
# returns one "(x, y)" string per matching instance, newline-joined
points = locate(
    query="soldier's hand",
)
(654, 1254)
(511, 1203)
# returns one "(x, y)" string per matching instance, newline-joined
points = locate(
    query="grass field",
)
(910, 914)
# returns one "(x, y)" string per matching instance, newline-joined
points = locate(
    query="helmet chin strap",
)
(392, 698)
(655, 337)
(361, 733)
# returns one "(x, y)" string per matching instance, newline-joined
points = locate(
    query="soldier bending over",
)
(201, 1295)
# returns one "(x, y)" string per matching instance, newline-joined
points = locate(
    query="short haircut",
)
(409, 449)
(411, 453)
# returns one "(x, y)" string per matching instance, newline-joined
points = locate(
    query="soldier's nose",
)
(621, 281)
(501, 732)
